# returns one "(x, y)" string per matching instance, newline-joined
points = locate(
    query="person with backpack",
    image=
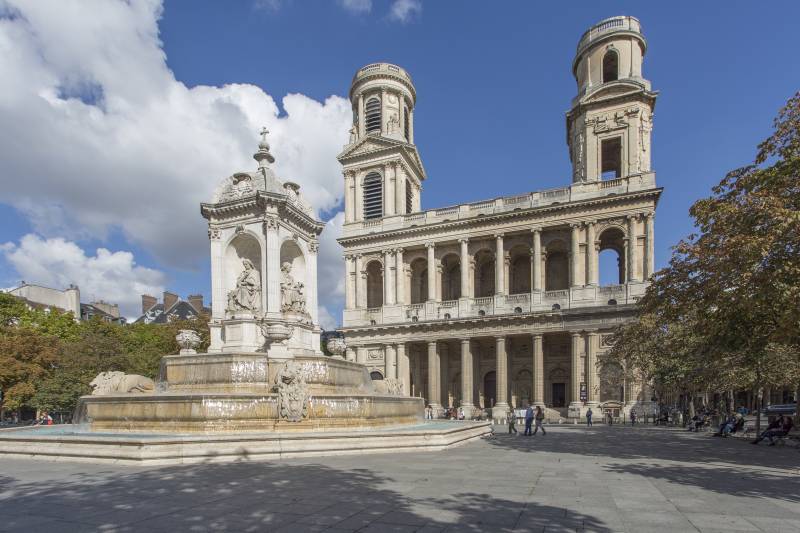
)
(528, 420)
(538, 418)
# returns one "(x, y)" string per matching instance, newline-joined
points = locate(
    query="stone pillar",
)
(538, 370)
(574, 257)
(272, 268)
(537, 260)
(399, 277)
(411, 126)
(358, 214)
(361, 355)
(349, 354)
(399, 189)
(499, 266)
(464, 267)
(401, 115)
(501, 406)
(592, 258)
(575, 369)
(466, 378)
(403, 368)
(633, 256)
(349, 282)
(388, 191)
(349, 205)
(431, 271)
(384, 114)
(388, 278)
(444, 372)
(592, 376)
(361, 125)
(361, 283)
(649, 258)
(389, 362)
(434, 378)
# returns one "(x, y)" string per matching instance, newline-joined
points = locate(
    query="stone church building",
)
(496, 303)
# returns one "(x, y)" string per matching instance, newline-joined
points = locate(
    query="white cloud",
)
(404, 10)
(356, 6)
(330, 269)
(96, 133)
(112, 276)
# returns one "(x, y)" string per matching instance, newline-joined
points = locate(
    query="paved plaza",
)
(574, 479)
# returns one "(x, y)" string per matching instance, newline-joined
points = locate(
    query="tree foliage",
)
(725, 313)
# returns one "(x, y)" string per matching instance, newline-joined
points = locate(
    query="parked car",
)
(780, 409)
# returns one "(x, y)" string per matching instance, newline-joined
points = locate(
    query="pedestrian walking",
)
(589, 417)
(528, 420)
(538, 418)
(633, 417)
(512, 422)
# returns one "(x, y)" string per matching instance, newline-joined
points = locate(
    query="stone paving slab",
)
(617, 479)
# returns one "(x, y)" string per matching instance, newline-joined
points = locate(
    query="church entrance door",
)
(489, 390)
(559, 394)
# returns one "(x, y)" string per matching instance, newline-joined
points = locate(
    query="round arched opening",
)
(243, 255)
(375, 375)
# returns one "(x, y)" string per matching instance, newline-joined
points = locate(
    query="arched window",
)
(610, 66)
(373, 196)
(372, 118)
(611, 260)
(375, 376)
(451, 278)
(409, 196)
(484, 274)
(556, 272)
(374, 285)
(405, 124)
(520, 272)
(419, 281)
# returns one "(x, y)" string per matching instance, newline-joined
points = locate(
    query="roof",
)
(180, 310)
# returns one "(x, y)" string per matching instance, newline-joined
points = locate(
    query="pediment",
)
(376, 146)
(616, 90)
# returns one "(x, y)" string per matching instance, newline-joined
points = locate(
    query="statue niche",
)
(292, 296)
(247, 294)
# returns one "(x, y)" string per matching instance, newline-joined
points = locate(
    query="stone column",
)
(388, 278)
(403, 368)
(349, 354)
(361, 126)
(538, 369)
(649, 258)
(358, 214)
(431, 271)
(592, 376)
(575, 369)
(464, 267)
(591, 251)
(466, 378)
(537, 260)
(444, 372)
(399, 277)
(574, 254)
(434, 378)
(399, 189)
(384, 114)
(388, 190)
(501, 406)
(361, 285)
(633, 258)
(272, 268)
(411, 126)
(401, 116)
(349, 185)
(499, 266)
(389, 362)
(361, 355)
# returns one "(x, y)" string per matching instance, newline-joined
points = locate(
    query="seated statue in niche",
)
(292, 296)
(247, 294)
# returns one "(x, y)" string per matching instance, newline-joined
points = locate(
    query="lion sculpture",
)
(120, 383)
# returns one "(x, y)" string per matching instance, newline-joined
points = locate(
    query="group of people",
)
(780, 427)
(533, 420)
(733, 424)
(450, 414)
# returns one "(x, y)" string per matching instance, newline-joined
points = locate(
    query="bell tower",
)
(610, 121)
(382, 169)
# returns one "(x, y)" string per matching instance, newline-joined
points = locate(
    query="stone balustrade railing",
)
(576, 192)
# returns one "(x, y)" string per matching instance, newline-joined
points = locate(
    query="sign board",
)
(584, 396)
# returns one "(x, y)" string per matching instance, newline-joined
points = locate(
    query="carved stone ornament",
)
(188, 340)
(292, 389)
(247, 294)
(214, 234)
(606, 340)
(120, 383)
(270, 224)
(337, 347)
(390, 386)
(292, 293)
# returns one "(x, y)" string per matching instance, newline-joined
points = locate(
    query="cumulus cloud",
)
(404, 10)
(112, 276)
(96, 133)
(331, 273)
(356, 6)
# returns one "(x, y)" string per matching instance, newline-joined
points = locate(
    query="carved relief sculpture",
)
(119, 382)
(645, 127)
(292, 393)
(188, 340)
(247, 294)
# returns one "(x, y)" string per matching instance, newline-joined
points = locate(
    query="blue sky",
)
(493, 82)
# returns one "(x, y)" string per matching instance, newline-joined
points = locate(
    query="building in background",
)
(171, 308)
(498, 302)
(68, 300)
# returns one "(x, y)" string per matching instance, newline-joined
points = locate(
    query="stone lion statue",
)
(119, 383)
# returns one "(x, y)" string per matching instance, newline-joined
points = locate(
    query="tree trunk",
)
(690, 400)
(759, 392)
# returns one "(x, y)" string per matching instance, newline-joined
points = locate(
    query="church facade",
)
(493, 304)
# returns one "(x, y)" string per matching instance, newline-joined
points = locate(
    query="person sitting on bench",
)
(779, 428)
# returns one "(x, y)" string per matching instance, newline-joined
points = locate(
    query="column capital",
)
(575, 225)
(498, 236)
(537, 335)
(432, 343)
(463, 240)
(499, 338)
(430, 245)
(575, 334)
(465, 342)
(536, 230)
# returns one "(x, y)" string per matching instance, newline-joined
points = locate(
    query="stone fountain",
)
(264, 370)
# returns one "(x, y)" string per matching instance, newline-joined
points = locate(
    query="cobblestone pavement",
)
(575, 478)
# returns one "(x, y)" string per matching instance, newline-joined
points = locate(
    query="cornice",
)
(499, 217)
